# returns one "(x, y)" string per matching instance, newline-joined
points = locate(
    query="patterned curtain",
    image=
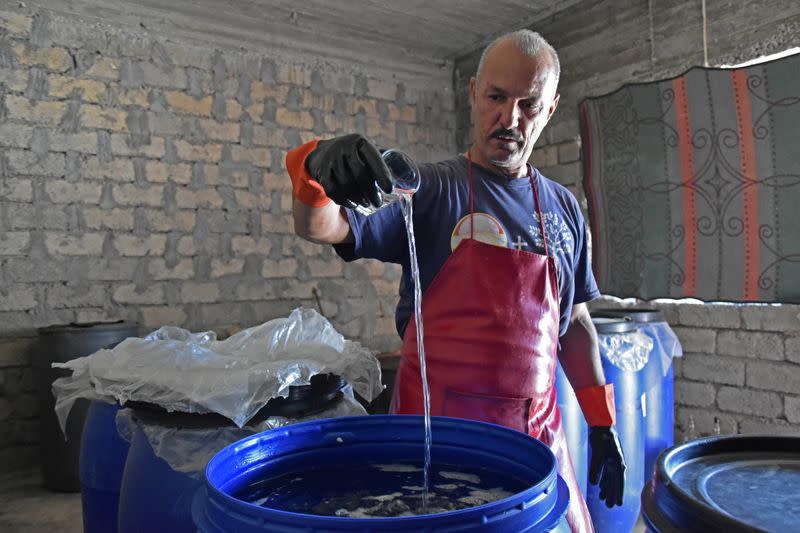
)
(694, 185)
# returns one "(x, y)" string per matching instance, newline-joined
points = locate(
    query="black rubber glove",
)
(608, 465)
(350, 169)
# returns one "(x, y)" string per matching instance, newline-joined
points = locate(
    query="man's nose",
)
(509, 118)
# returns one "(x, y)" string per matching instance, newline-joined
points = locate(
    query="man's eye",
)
(495, 97)
(532, 110)
(529, 105)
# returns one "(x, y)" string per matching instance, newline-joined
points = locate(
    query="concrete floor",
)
(27, 507)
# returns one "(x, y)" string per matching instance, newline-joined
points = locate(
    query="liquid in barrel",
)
(375, 490)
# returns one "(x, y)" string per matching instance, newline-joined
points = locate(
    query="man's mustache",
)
(511, 134)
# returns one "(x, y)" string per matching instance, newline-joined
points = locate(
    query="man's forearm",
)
(316, 217)
(324, 225)
(580, 354)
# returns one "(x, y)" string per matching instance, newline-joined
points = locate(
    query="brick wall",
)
(742, 363)
(142, 178)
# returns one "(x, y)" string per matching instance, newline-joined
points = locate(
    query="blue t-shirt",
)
(504, 215)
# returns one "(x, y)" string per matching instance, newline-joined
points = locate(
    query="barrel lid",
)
(85, 327)
(637, 314)
(732, 484)
(323, 391)
(611, 325)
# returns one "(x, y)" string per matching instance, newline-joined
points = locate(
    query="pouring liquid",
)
(408, 215)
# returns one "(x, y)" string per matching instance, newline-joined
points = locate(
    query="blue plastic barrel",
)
(154, 497)
(102, 460)
(393, 439)
(659, 412)
(628, 392)
(732, 484)
(575, 428)
(659, 377)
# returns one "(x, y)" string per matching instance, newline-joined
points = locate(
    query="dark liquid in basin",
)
(373, 490)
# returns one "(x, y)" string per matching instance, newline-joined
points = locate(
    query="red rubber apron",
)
(491, 319)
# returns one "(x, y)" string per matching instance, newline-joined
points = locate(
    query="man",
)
(503, 263)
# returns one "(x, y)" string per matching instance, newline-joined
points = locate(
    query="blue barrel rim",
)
(550, 483)
(662, 489)
(366, 524)
(546, 481)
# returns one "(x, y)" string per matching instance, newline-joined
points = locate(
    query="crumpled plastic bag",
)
(188, 450)
(627, 351)
(665, 342)
(194, 373)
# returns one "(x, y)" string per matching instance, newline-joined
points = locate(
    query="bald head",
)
(530, 43)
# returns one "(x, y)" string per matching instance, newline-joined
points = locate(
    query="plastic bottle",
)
(689, 434)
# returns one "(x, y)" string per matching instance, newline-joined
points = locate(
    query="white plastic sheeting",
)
(627, 351)
(194, 373)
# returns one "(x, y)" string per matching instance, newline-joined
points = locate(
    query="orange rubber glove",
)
(597, 404)
(305, 188)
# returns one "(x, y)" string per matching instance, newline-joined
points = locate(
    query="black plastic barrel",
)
(389, 362)
(59, 344)
(738, 484)
(630, 428)
(659, 377)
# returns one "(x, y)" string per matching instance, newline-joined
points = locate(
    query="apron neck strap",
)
(471, 199)
(539, 212)
(535, 201)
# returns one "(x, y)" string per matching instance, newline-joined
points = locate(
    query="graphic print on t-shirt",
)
(487, 229)
(559, 237)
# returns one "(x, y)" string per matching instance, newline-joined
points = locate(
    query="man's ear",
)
(472, 84)
(553, 106)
